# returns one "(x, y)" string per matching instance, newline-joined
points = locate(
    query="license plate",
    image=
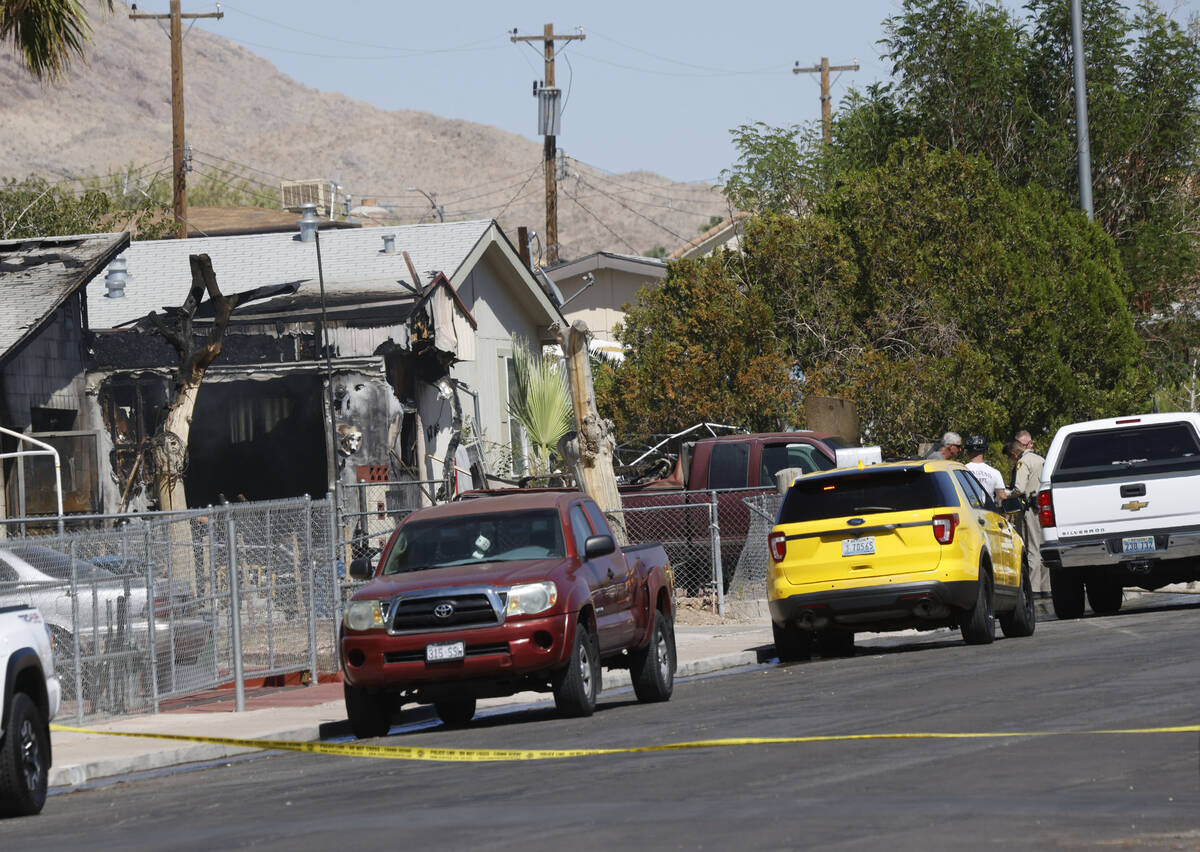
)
(864, 546)
(1138, 544)
(441, 651)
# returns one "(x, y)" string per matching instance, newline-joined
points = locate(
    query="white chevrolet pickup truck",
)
(1119, 505)
(31, 699)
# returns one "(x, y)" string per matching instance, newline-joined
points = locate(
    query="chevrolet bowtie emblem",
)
(1135, 505)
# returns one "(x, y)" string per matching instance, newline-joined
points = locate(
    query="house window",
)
(31, 490)
(511, 432)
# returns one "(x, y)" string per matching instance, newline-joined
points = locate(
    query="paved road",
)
(1136, 669)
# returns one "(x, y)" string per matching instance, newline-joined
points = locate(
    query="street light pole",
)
(432, 198)
(1081, 116)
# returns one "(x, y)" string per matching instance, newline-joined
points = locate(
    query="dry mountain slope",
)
(246, 118)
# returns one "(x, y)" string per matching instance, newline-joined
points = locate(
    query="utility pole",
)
(826, 110)
(179, 181)
(549, 116)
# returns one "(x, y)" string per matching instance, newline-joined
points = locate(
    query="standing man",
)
(1026, 481)
(948, 448)
(991, 479)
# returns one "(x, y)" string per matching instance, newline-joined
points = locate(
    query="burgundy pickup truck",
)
(497, 595)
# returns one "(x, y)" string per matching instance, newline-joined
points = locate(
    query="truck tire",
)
(456, 712)
(652, 669)
(24, 759)
(1066, 591)
(978, 624)
(1104, 596)
(370, 713)
(577, 684)
(1022, 620)
(791, 643)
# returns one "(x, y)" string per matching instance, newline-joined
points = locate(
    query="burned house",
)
(414, 324)
(43, 359)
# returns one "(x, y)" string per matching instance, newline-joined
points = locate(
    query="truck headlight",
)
(532, 598)
(364, 615)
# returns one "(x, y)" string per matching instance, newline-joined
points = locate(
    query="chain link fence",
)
(171, 604)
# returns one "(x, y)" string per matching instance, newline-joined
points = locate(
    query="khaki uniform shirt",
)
(1029, 473)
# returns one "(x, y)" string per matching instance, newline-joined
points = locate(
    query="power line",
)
(710, 68)
(603, 224)
(634, 212)
(518, 193)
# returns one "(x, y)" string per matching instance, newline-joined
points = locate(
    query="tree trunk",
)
(170, 449)
(591, 450)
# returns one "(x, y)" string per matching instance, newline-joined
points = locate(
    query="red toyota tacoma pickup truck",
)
(497, 595)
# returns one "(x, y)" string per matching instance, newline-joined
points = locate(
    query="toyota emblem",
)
(445, 609)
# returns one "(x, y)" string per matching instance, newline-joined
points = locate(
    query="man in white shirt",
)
(990, 478)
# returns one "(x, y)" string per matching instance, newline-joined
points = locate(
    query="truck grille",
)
(468, 610)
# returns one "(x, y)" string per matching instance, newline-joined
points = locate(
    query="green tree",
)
(772, 175)
(36, 208)
(699, 347)
(541, 403)
(934, 295)
(47, 34)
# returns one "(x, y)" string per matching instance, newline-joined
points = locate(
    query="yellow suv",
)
(894, 546)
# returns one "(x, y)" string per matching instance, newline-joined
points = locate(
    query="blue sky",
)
(654, 86)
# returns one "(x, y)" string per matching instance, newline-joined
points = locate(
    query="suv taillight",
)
(1045, 508)
(777, 545)
(944, 526)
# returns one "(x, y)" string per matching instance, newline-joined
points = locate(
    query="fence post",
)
(77, 639)
(332, 498)
(718, 567)
(235, 615)
(312, 590)
(150, 619)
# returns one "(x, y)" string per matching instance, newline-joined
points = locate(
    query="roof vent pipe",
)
(389, 243)
(308, 222)
(116, 278)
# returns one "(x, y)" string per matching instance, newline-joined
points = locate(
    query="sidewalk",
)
(308, 713)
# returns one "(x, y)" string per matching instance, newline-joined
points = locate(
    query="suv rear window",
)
(1150, 448)
(866, 492)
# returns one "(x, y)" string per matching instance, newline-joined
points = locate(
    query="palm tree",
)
(48, 34)
(540, 402)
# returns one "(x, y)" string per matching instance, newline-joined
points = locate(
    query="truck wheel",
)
(1066, 590)
(791, 643)
(652, 669)
(978, 624)
(1104, 596)
(835, 643)
(24, 759)
(455, 713)
(1023, 618)
(578, 683)
(369, 712)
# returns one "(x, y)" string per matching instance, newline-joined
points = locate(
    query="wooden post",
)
(591, 449)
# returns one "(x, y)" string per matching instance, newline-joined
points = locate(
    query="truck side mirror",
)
(598, 545)
(360, 568)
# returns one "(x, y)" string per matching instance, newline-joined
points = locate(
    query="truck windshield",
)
(468, 539)
(1149, 448)
(866, 492)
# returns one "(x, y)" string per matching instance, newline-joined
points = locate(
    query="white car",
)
(1119, 506)
(31, 700)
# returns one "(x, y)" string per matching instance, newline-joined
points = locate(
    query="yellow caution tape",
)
(487, 755)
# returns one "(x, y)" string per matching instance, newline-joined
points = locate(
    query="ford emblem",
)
(854, 522)
(445, 609)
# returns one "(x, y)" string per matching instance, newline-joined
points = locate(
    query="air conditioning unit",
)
(293, 193)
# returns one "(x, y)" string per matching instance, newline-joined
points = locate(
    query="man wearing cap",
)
(947, 448)
(991, 479)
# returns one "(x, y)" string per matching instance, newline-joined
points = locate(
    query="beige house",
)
(596, 288)
(726, 234)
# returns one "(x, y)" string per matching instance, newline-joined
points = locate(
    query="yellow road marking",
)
(466, 755)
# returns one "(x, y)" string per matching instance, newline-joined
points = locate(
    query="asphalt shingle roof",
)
(38, 275)
(353, 260)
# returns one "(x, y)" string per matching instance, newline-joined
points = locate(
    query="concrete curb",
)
(166, 754)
